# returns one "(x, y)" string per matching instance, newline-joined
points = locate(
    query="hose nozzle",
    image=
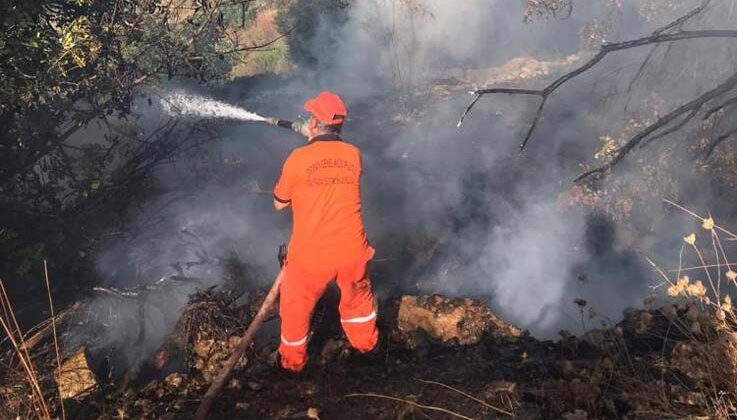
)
(299, 126)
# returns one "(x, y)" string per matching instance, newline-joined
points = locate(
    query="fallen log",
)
(47, 329)
(75, 378)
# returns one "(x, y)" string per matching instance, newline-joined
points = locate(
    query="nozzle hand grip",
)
(285, 124)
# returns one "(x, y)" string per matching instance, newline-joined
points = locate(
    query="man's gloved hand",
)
(300, 126)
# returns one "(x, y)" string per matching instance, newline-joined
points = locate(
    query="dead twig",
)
(719, 228)
(412, 403)
(642, 67)
(482, 402)
(697, 267)
(56, 341)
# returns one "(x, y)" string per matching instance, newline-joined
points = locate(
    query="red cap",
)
(328, 108)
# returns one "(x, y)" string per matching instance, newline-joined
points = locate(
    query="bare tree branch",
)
(510, 91)
(680, 21)
(673, 129)
(663, 122)
(661, 35)
(641, 69)
(603, 52)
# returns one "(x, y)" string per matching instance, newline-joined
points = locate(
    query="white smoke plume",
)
(456, 211)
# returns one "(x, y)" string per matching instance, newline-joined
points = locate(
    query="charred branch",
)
(680, 21)
(690, 107)
(140, 290)
(606, 49)
(657, 37)
(674, 128)
(642, 67)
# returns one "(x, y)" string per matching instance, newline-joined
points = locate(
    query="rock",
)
(450, 320)
(75, 379)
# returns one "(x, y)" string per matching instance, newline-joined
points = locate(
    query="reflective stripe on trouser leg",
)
(301, 342)
(360, 319)
(299, 294)
(357, 312)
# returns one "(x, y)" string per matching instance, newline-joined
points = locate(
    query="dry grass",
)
(411, 403)
(15, 336)
(471, 397)
(23, 388)
(705, 364)
(56, 339)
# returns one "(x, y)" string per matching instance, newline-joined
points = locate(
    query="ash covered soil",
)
(439, 358)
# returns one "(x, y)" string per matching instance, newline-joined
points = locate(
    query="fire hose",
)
(299, 127)
(244, 343)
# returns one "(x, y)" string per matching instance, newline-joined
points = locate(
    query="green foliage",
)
(303, 17)
(274, 58)
(65, 64)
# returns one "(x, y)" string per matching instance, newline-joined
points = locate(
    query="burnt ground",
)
(439, 358)
(504, 372)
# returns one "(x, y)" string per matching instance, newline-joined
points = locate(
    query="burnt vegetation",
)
(79, 160)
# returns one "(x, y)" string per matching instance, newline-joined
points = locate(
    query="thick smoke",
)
(457, 211)
(494, 218)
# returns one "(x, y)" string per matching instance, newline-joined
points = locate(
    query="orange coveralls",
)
(322, 182)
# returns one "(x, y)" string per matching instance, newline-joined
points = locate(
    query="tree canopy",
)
(67, 63)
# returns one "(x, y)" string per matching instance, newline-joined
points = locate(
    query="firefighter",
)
(321, 183)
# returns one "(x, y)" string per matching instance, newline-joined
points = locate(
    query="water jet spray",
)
(179, 104)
